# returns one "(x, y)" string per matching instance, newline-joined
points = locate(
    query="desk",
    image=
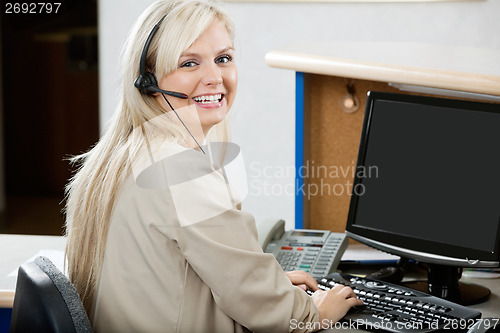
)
(490, 308)
(328, 137)
(20, 248)
(17, 249)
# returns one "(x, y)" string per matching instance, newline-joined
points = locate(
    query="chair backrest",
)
(46, 301)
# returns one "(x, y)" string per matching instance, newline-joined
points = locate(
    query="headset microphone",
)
(151, 88)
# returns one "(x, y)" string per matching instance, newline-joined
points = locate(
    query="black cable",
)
(166, 100)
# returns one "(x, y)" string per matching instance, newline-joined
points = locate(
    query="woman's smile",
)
(209, 100)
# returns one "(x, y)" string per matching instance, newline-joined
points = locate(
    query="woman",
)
(151, 254)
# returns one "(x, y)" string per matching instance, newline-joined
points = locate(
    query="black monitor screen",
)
(434, 180)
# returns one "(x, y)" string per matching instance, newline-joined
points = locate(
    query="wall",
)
(263, 118)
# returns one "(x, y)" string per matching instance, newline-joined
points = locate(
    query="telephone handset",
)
(317, 252)
(270, 230)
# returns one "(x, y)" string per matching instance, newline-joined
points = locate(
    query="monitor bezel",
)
(405, 245)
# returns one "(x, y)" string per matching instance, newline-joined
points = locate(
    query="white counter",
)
(455, 68)
(16, 250)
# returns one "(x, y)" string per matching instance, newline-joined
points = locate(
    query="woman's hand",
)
(334, 304)
(303, 280)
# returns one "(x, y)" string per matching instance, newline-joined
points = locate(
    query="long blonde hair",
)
(92, 191)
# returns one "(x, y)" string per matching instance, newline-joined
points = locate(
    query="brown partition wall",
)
(331, 148)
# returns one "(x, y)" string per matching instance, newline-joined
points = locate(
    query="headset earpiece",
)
(147, 83)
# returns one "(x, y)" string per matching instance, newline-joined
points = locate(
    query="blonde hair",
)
(92, 191)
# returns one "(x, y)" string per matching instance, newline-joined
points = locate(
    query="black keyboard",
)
(393, 308)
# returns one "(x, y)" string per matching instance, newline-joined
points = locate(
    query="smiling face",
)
(207, 73)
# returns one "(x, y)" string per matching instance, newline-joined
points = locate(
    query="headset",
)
(146, 82)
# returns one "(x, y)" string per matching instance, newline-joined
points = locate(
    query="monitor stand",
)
(443, 281)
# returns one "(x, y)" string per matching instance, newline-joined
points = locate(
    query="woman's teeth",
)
(208, 99)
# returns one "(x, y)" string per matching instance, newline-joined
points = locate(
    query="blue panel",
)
(299, 149)
(5, 314)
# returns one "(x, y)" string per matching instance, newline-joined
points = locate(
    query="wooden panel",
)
(332, 149)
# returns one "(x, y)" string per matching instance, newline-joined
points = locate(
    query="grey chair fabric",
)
(46, 301)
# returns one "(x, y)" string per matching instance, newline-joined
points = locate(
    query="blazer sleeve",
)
(247, 284)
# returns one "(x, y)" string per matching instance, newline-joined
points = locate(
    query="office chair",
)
(46, 301)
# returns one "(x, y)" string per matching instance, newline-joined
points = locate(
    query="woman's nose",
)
(212, 75)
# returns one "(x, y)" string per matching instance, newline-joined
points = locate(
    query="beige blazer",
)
(179, 259)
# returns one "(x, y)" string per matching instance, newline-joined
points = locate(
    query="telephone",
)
(317, 252)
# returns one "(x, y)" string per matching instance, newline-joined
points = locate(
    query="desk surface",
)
(17, 249)
(437, 66)
(490, 308)
(20, 248)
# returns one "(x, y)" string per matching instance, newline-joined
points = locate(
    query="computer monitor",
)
(427, 186)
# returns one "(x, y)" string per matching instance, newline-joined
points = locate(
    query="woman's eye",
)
(188, 63)
(223, 59)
